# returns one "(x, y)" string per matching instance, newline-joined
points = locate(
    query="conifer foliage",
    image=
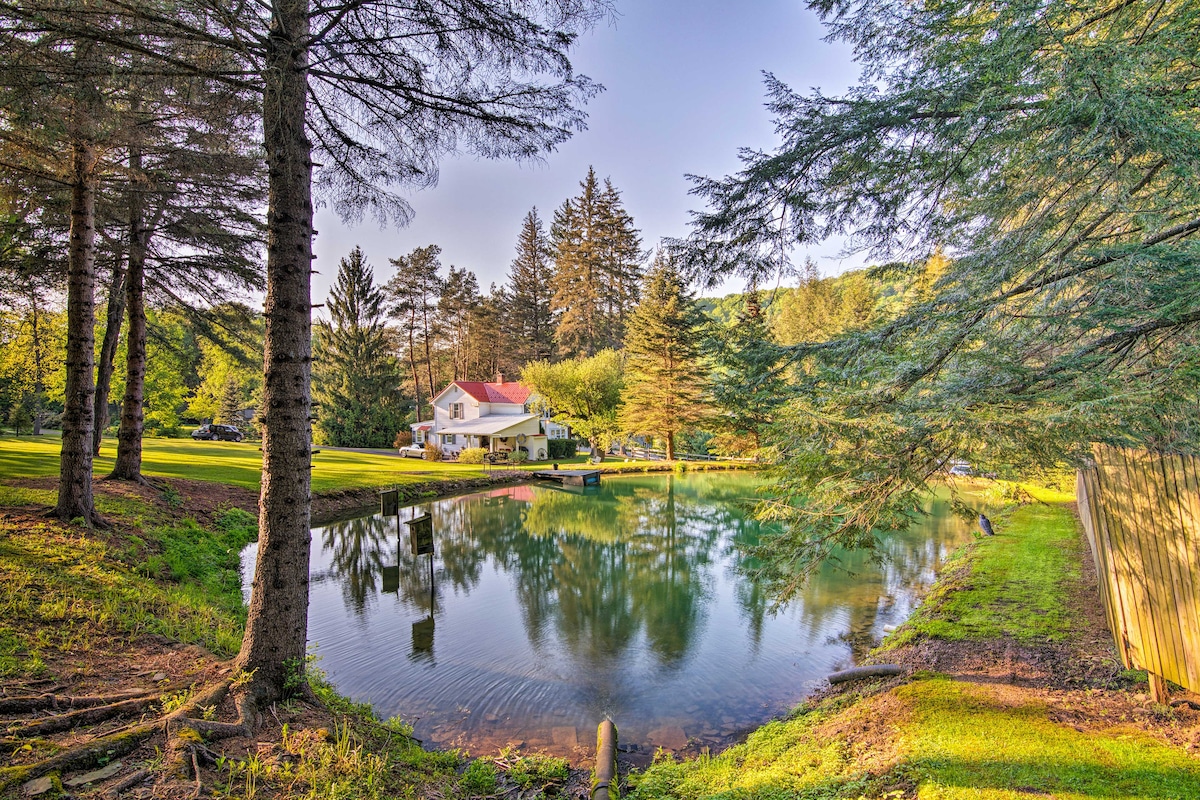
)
(1048, 150)
(355, 375)
(529, 321)
(664, 374)
(747, 379)
(597, 269)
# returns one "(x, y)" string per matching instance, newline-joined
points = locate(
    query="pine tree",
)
(664, 372)
(412, 293)
(456, 308)
(230, 412)
(375, 94)
(622, 261)
(597, 269)
(577, 282)
(1032, 166)
(530, 322)
(354, 374)
(747, 384)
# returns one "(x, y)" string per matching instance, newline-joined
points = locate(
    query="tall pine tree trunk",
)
(128, 466)
(108, 351)
(39, 372)
(75, 472)
(117, 293)
(428, 353)
(274, 643)
(412, 360)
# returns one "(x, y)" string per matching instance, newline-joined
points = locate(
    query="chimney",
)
(500, 378)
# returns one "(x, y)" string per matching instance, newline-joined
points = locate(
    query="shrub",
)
(403, 439)
(432, 452)
(472, 455)
(518, 456)
(560, 448)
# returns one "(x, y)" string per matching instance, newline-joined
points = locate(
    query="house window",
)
(447, 438)
(418, 437)
(456, 411)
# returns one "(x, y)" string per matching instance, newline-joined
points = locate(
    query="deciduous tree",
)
(584, 393)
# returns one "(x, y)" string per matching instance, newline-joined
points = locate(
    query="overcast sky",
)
(683, 91)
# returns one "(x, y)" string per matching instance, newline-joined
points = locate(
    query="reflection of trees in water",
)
(866, 585)
(631, 556)
(357, 556)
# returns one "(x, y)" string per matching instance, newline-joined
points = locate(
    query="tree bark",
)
(75, 472)
(273, 647)
(39, 372)
(128, 466)
(108, 351)
(412, 360)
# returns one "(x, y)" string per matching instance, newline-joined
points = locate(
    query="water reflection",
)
(545, 609)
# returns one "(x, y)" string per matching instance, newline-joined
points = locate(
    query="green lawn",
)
(234, 463)
(240, 463)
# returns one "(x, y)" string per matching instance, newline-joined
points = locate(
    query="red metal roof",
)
(507, 392)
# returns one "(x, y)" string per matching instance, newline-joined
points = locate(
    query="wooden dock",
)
(570, 477)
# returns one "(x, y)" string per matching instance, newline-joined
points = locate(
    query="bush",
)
(560, 448)
(518, 456)
(403, 439)
(472, 455)
(432, 452)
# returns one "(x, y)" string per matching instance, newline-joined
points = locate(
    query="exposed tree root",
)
(114, 745)
(41, 702)
(130, 782)
(85, 755)
(84, 716)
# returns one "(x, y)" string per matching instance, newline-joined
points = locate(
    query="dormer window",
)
(456, 411)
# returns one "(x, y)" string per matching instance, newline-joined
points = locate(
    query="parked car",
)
(961, 469)
(215, 432)
(412, 451)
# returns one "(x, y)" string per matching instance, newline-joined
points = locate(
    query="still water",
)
(549, 609)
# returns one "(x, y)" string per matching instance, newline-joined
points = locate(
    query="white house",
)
(497, 416)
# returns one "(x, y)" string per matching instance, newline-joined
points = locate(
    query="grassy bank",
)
(988, 725)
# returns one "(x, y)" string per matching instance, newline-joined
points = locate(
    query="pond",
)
(547, 609)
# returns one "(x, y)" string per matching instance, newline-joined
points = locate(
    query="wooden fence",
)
(1141, 513)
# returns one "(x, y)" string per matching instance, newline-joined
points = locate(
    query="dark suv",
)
(215, 432)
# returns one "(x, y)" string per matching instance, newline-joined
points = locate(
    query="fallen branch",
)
(870, 671)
